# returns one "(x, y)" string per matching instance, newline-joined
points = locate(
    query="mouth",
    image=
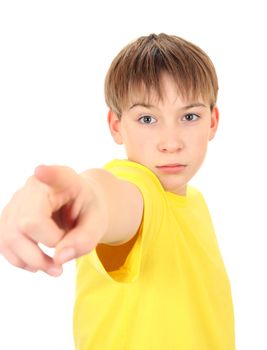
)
(171, 168)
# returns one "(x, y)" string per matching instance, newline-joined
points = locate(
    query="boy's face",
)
(168, 136)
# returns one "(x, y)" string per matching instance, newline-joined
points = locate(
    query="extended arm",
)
(70, 212)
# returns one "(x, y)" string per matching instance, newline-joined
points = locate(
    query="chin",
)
(175, 187)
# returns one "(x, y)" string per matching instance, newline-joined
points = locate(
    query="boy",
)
(149, 270)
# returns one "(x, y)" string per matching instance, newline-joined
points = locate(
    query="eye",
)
(190, 117)
(147, 119)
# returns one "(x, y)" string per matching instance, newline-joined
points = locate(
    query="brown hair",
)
(140, 64)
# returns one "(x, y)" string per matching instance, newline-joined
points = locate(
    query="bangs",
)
(138, 70)
(142, 91)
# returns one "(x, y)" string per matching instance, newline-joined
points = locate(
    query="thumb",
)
(76, 243)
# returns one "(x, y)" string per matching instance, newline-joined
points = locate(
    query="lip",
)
(171, 168)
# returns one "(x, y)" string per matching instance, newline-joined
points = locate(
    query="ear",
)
(214, 122)
(114, 127)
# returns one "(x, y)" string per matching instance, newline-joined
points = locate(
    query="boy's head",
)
(139, 66)
(161, 91)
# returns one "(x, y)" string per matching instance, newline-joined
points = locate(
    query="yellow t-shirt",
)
(172, 291)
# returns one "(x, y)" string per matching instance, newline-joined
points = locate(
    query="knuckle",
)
(50, 238)
(12, 239)
(52, 243)
(26, 224)
(34, 263)
(30, 269)
(8, 238)
(13, 259)
(18, 263)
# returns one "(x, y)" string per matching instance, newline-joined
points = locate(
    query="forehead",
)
(168, 91)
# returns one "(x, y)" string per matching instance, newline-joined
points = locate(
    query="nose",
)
(170, 141)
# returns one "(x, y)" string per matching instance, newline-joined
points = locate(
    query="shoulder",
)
(194, 194)
(135, 173)
(197, 203)
(127, 167)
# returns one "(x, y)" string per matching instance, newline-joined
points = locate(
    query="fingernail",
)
(54, 271)
(65, 255)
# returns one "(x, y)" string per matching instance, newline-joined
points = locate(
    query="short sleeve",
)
(154, 206)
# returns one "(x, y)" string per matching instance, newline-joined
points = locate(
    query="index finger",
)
(60, 178)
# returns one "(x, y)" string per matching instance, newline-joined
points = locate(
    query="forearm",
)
(120, 202)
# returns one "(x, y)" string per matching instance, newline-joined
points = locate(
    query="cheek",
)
(199, 145)
(138, 152)
(140, 140)
(136, 144)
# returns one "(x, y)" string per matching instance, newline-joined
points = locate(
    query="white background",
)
(53, 59)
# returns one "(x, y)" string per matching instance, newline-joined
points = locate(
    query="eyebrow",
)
(191, 105)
